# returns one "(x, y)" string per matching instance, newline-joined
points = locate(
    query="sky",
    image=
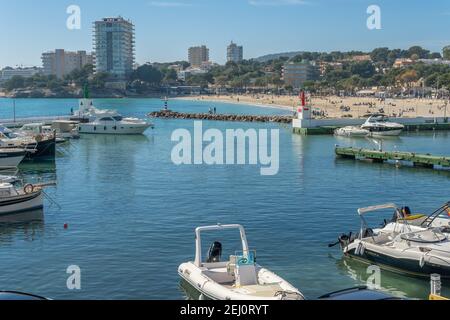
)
(166, 28)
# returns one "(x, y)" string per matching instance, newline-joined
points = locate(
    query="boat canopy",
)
(199, 230)
(363, 211)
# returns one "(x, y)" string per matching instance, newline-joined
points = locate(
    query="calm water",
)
(131, 212)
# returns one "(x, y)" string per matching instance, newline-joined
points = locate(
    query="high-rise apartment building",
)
(114, 46)
(235, 53)
(198, 55)
(295, 74)
(61, 62)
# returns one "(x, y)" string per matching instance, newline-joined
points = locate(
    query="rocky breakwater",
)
(168, 114)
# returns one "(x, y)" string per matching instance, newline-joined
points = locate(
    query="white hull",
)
(119, 129)
(390, 133)
(36, 201)
(352, 132)
(270, 287)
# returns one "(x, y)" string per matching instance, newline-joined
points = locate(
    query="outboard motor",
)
(215, 252)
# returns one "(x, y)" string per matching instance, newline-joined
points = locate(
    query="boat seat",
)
(268, 290)
(220, 276)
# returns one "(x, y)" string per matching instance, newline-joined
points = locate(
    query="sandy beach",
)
(338, 107)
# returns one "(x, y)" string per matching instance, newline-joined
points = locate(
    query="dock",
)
(19, 122)
(168, 114)
(380, 156)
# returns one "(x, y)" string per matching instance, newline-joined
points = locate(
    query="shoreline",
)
(340, 107)
(248, 103)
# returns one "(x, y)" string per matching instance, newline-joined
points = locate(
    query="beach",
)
(340, 107)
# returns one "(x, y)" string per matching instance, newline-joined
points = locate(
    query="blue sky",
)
(166, 28)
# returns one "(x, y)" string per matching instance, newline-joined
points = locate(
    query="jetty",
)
(19, 122)
(380, 156)
(168, 114)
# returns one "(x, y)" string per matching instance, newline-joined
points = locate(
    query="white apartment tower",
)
(114, 46)
(235, 53)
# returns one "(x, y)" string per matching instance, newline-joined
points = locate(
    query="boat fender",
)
(422, 262)
(29, 188)
(360, 250)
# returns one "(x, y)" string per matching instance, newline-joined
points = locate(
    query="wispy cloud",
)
(275, 3)
(168, 4)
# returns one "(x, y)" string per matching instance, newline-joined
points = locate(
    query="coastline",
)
(340, 107)
(235, 101)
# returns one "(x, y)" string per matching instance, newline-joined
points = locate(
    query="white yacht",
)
(95, 121)
(239, 278)
(351, 131)
(379, 125)
(413, 244)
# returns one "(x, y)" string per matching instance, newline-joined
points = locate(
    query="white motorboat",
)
(65, 129)
(239, 278)
(14, 200)
(379, 125)
(351, 131)
(95, 121)
(11, 157)
(419, 248)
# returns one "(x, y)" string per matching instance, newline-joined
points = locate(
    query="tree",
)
(15, 82)
(446, 52)
(147, 73)
(170, 76)
(380, 55)
(363, 69)
(408, 76)
(419, 51)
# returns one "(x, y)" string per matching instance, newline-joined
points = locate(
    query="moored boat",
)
(379, 125)
(418, 249)
(15, 200)
(239, 278)
(351, 131)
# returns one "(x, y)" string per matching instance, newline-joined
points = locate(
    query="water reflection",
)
(28, 226)
(392, 283)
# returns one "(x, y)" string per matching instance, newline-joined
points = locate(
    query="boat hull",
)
(21, 203)
(409, 266)
(214, 291)
(387, 133)
(42, 150)
(120, 129)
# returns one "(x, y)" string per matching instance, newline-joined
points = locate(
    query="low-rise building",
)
(402, 62)
(184, 74)
(324, 66)
(8, 73)
(295, 74)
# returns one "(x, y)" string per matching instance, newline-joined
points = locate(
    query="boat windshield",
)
(378, 119)
(106, 119)
(118, 118)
